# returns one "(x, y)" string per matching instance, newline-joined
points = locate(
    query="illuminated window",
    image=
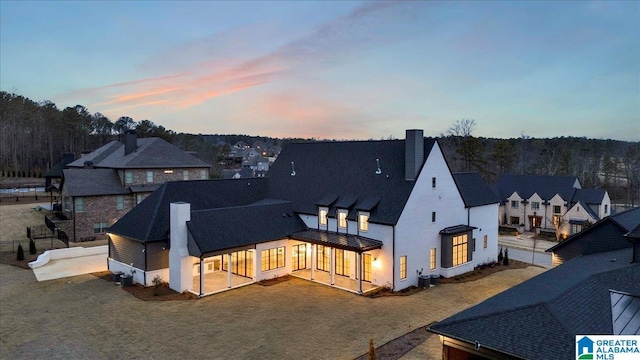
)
(432, 259)
(79, 202)
(556, 219)
(323, 258)
(272, 258)
(299, 257)
(342, 262)
(363, 222)
(322, 216)
(459, 249)
(403, 267)
(185, 174)
(342, 219)
(149, 176)
(128, 177)
(485, 240)
(119, 202)
(241, 263)
(366, 267)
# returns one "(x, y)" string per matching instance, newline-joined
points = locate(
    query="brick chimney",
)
(130, 141)
(413, 153)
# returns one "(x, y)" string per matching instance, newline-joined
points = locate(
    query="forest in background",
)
(35, 135)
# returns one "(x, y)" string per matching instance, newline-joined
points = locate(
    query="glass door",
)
(299, 257)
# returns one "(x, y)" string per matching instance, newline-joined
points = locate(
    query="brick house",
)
(102, 186)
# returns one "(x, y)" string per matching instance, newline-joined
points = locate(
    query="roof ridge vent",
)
(378, 171)
(293, 168)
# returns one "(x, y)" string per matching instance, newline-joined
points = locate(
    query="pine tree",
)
(32, 247)
(505, 261)
(20, 256)
(500, 256)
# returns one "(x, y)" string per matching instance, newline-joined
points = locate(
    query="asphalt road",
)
(542, 259)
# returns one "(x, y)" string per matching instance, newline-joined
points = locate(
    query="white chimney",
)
(180, 263)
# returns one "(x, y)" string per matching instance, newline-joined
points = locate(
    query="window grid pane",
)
(403, 267)
(432, 262)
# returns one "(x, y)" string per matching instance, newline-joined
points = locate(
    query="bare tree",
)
(462, 128)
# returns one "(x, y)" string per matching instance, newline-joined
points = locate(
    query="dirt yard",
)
(14, 220)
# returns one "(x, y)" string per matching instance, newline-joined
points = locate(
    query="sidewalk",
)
(525, 242)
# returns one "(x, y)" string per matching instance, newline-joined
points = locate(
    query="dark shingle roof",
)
(218, 229)
(589, 196)
(545, 186)
(92, 182)
(56, 171)
(346, 170)
(151, 153)
(628, 219)
(555, 306)
(149, 220)
(474, 191)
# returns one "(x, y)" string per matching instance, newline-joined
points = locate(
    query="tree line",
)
(34, 136)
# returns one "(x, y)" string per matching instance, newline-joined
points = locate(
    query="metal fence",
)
(11, 246)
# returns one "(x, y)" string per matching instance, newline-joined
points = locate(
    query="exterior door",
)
(299, 257)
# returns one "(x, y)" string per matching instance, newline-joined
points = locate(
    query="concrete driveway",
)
(86, 317)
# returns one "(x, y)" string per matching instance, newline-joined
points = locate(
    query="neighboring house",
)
(354, 215)
(533, 202)
(607, 234)
(102, 186)
(540, 318)
(256, 163)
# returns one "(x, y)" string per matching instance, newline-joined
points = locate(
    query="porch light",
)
(376, 263)
(168, 171)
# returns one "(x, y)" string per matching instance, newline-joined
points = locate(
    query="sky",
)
(334, 69)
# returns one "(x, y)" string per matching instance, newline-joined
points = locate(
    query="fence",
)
(11, 246)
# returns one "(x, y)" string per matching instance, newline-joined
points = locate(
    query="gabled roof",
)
(473, 189)
(587, 209)
(150, 153)
(589, 196)
(215, 230)
(92, 182)
(346, 170)
(555, 306)
(626, 221)
(56, 171)
(149, 220)
(545, 186)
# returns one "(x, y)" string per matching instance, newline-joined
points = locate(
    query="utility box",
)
(423, 281)
(126, 280)
(115, 276)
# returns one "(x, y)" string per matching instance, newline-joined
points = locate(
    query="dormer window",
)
(363, 222)
(342, 219)
(322, 217)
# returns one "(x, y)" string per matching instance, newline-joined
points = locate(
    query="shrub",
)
(32, 247)
(500, 256)
(505, 261)
(157, 284)
(20, 256)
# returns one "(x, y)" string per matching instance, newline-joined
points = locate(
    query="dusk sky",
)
(334, 70)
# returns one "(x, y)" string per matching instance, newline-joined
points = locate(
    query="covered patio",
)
(218, 281)
(333, 241)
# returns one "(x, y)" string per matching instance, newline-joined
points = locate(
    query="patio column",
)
(201, 276)
(229, 270)
(360, 273)
(333, 266)
(313, 257)
(255, 264)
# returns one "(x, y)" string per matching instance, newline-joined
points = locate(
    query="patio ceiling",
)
(349, 242)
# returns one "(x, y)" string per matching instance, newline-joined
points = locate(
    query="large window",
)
(322, 216)
(273, 258)
(299, 257)
(79, 202)
(128, 177)
(515, 204)
(459, 249)
(535, 205)
(119, 202)
(576, 228)
(515, 220)
(100, 227)
(432, 259)
(403, 267)
(557, 209)
(241, 263)
(342, 219)
(363, 222)
(323, 258)
(342, 262)
(150, 176)
(366, 267)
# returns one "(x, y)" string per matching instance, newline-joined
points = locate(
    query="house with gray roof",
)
(549, 203)
(540, 318)
(103, 185)
(611, 233)
(355, 215)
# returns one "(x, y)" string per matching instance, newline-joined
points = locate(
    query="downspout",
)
(468, 216)
(393, 259)
(144, 272)
(74, 219)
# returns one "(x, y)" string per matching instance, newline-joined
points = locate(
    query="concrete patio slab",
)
(62, 268)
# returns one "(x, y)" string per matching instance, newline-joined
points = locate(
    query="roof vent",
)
(293, 168)
(378, 171)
